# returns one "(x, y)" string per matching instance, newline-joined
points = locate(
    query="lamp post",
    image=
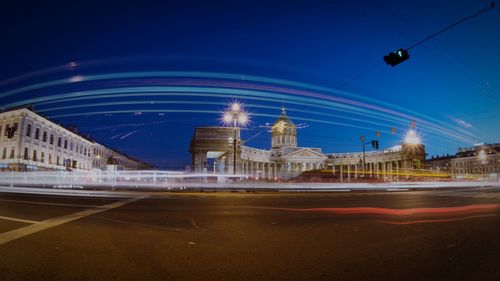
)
(412, 144)
(235, 115)
(483, 159)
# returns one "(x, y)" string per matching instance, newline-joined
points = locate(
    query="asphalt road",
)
(431, 235)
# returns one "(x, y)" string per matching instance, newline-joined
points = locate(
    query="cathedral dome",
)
(284, 132)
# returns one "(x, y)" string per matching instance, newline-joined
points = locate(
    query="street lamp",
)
(235, 115)
(483, 159)
(412, 138)
(412, 145)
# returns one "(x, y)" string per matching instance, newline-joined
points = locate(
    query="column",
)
(384, 174)
(341, 173)
(397, 169)
(349, 172)
(391, 170)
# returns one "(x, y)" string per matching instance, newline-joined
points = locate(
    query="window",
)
(34, 155)
(71, 146)
(59, 141)
(50, 158)
(4, 154)
(26, 154)
(12, 153)
(65, 144)
(10, 131)
(57, 161)
(28, 130)
(42, 157)
(44, 137)
(37, 133)
(51, 138)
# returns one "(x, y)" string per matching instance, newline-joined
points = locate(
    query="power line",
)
(359, 75)
(482, 11)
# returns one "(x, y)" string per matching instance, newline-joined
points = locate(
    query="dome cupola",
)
(283, 132)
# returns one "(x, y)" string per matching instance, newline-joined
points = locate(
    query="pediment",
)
(305, 153)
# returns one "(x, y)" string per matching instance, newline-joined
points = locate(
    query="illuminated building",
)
(29, 141)
(480, 160)
(211, 153)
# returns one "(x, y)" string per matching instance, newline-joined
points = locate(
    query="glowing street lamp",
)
(483, 159)
(238, 117)
(412, 138)
(235, 107)
(412, 145)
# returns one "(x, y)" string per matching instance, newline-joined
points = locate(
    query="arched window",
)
(26, 154)
(37, 133)
(44, 137)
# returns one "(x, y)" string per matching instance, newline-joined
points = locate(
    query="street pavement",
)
(405, 235)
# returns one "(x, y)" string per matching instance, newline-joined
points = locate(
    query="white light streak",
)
(167, 180)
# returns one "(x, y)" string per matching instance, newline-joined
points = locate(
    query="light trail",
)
(436, 214)
(117, 103)
(163, 180)
(213, 112)
(207, 91)
(467, 209)
(247, 78)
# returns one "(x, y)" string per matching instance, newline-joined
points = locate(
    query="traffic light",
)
(396, 57)
(375, 144)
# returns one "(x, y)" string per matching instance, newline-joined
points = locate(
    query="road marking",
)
(49, 223)
(48, 203)
(19, 220)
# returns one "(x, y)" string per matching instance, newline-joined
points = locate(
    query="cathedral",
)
(220, 150)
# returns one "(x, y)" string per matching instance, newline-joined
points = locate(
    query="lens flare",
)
(412, 138)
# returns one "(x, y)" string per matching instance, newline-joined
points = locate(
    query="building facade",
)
(285, 159)
(481, 160)
(29, 142)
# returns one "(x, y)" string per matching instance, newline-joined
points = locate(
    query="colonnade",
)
(387, 170)
(274, 171)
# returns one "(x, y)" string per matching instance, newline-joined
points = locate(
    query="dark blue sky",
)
(453, 80)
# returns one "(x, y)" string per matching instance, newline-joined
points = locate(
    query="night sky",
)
(139, 77)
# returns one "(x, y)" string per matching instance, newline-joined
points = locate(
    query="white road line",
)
(19, 220)
(48, 203)
(49, 223)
